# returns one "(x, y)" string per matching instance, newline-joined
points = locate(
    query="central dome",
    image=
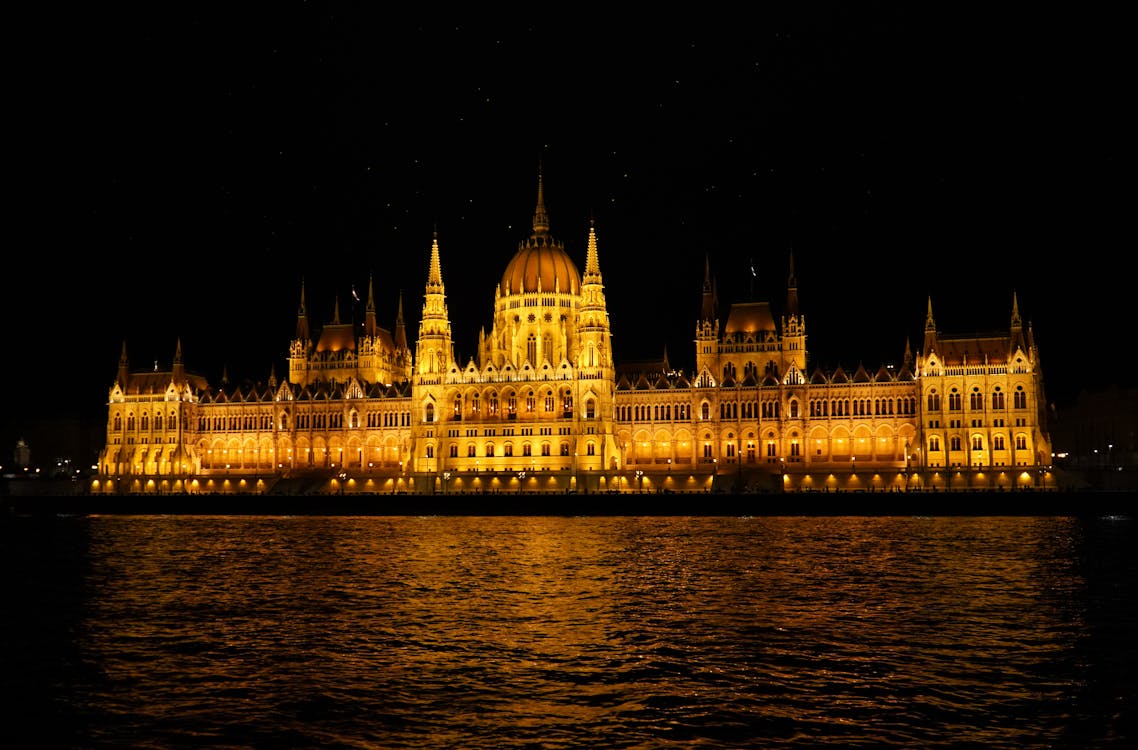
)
(541, 263)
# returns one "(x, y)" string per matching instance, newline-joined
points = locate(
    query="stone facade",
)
(547, 409)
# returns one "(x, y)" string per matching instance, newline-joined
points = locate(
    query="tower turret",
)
(793, 326)
(435, 351)
(707, 327)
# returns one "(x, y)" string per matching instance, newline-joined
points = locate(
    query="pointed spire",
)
(124, 367)
(435, 272)
(792, 289)
(400, 328)
(302, 333)
(1017, 338)
(336, 311)
(370, 326)
(591, 282)
(930, 331)
(592, 259)
(707, 311)
(179, 366)
(540, 217)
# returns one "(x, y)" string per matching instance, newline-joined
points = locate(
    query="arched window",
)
(429, 413)
(590, 409)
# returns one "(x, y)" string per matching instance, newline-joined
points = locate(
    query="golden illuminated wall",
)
(541, 408)
(540, 399)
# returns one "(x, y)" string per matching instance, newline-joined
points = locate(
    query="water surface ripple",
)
(557, 632)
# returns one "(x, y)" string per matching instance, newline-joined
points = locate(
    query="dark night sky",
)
(180, 169)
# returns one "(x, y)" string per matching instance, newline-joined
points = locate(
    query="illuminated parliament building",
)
(546, 408)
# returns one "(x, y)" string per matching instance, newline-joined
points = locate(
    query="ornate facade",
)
(545, 408)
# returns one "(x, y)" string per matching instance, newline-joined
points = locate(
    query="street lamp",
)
(446, 480)
(521, 479)
(639, 480)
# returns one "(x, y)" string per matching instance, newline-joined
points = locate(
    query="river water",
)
(562, 632)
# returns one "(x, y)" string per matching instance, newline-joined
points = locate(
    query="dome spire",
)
(540, 217)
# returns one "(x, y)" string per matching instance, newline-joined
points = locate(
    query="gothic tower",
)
(793, 332)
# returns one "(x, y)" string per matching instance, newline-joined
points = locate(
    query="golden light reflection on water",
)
(885, 631)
